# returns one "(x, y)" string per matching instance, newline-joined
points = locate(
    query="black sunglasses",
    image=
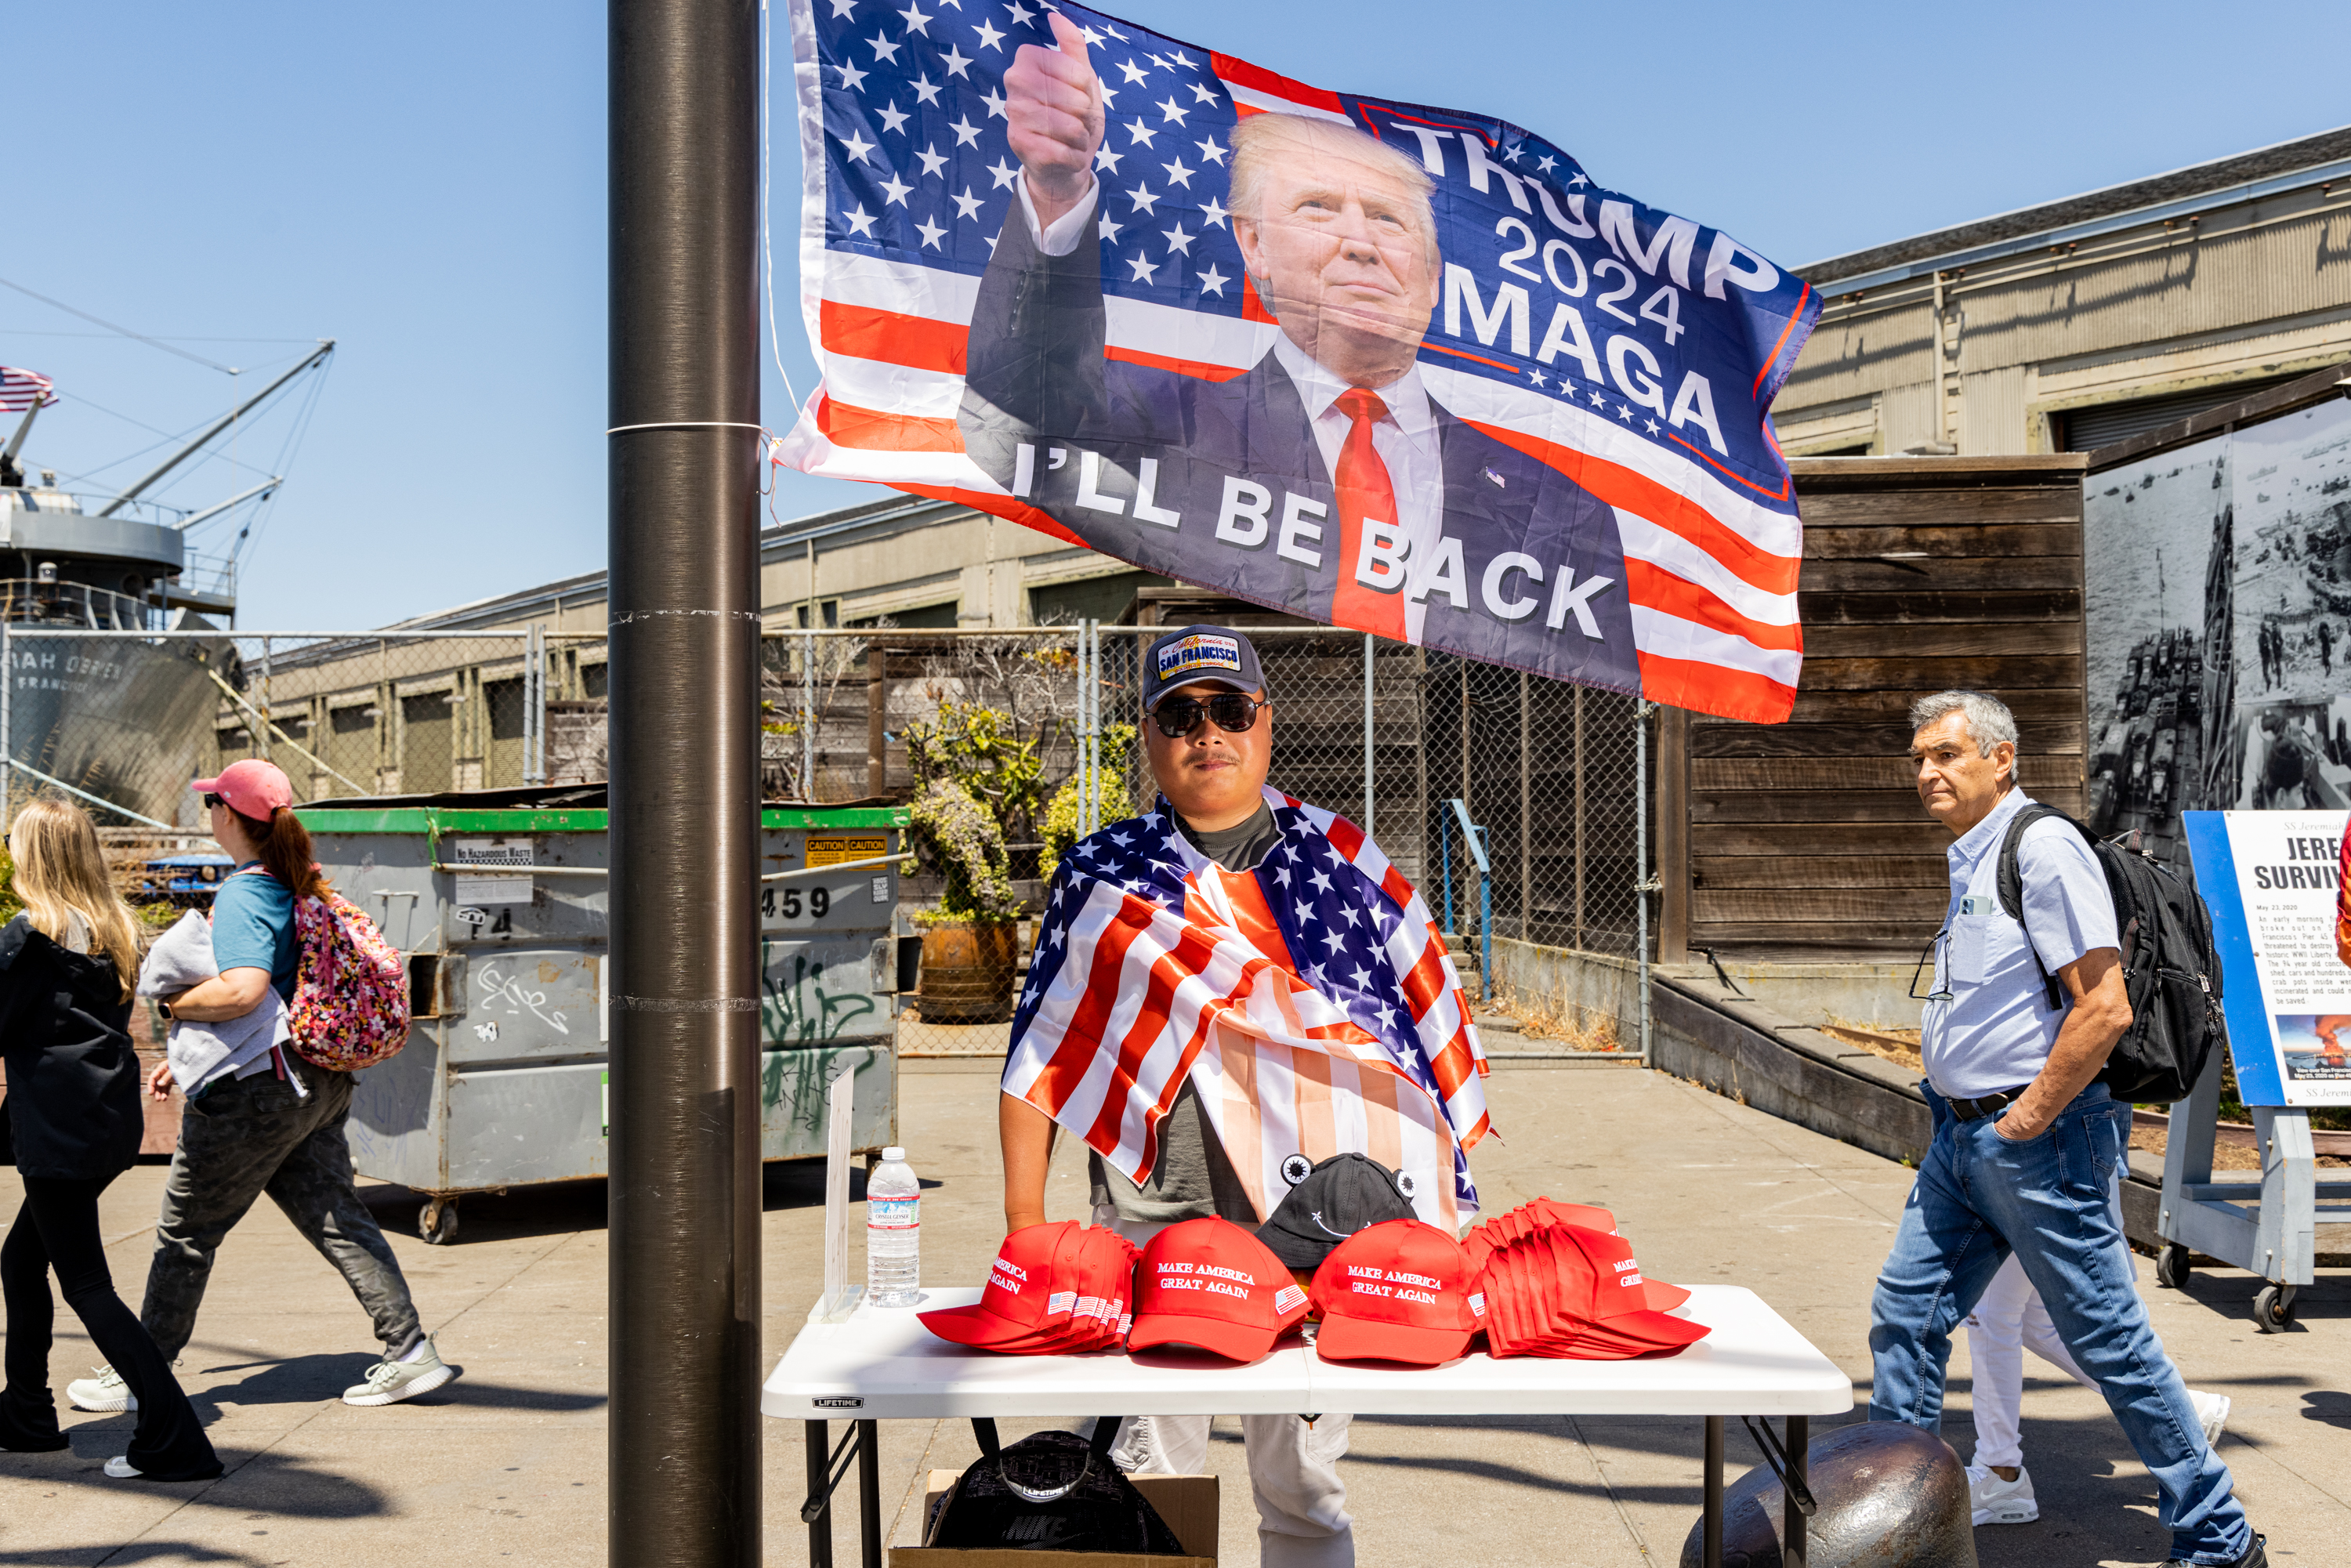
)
(211, 801)
(1179, 716)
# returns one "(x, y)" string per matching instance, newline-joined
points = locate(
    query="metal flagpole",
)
(1086, 729)
(1368, 813)
(685, 459)
(538, 703)
(1644, 883)
(533, 701)
(1092, 661)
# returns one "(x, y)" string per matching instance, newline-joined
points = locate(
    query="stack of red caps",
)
(1054, 1290)
(1399, 1290)
(1209, 1283)
(1536, 1213)
(1559, 1289)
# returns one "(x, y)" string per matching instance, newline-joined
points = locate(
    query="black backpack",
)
(2170, 971)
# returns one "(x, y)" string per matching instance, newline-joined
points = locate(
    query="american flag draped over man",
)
(1308, 1000)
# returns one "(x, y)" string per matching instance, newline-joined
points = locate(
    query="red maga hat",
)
(1600, 1289)
(1536, 1213)
(1030, 1291)
(1209, 1283)
(1100, 1276)
(1399, 1290)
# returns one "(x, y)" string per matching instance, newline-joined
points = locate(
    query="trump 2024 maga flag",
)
(1398, 369)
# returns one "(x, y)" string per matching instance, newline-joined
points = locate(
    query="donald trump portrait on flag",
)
(1357, 497)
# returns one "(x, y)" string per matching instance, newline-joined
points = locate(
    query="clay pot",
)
(967, 973)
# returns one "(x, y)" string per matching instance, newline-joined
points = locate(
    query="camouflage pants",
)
(245, 1137)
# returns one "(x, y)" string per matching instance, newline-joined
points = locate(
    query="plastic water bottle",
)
(893, 1232)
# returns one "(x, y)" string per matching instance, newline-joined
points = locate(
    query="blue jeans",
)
(1980, 1196)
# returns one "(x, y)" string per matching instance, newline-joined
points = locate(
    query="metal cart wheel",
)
(437, 1222)
(2273, 1308)
(2171, 1265)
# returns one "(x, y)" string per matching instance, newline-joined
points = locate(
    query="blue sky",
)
(425, 184)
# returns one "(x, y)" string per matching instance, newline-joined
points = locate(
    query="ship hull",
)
(121, 718)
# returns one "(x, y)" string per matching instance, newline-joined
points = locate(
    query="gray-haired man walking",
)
(2027, 1141)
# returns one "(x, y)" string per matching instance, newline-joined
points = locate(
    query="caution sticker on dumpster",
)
(497, 882)
(837, 851)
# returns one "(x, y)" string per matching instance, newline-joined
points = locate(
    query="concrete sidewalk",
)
(508, 1463)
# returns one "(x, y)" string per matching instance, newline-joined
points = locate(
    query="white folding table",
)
(882, 1364)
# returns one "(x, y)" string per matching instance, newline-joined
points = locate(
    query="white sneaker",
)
(2212, 1412)
(1996, 1501)
(389, 1382)
(108, 1394)
(122, 1470)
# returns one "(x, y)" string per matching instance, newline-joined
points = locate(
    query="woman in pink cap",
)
(278, 1128)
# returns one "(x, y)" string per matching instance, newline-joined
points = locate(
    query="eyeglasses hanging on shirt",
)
(1942, 993)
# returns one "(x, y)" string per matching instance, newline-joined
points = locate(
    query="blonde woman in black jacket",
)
(72, 1124)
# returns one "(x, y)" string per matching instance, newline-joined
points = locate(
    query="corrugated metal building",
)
(918, 563)
(2067, 326)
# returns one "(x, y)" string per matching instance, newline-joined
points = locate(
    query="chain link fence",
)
(1549, 777)
(1426, 750)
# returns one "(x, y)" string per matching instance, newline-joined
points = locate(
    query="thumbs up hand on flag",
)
(1053, 107)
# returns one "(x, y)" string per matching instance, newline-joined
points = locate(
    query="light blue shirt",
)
(1989, 1026)
(252, 928)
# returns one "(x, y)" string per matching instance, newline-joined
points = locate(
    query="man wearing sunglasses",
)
(1275, 959)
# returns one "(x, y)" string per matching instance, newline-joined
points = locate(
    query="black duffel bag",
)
(1051, 1491)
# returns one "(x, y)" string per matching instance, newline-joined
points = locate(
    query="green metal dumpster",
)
(497, 898)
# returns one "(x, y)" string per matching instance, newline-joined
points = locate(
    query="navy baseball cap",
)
(1199, 656)
(1328, 1202)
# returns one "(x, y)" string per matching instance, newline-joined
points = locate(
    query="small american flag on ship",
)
(1310, 1003)
(21, 390)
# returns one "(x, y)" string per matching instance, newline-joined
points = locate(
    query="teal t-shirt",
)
(252, 928)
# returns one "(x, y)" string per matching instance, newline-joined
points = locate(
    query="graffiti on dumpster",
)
(498, 986)
(796, 1010)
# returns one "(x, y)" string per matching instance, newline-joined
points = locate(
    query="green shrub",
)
(1110, 804)
(962, 839)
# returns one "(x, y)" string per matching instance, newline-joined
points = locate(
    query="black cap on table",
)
(1330, 1202)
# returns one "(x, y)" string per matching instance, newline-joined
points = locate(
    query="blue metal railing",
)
(1474, 837)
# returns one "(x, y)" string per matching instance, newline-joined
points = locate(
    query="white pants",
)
(1301, 1504)
(2006, 1321)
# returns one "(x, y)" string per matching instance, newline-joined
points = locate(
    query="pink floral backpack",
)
(350, 988)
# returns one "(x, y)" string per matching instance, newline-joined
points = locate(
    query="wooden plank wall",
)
(1805, 839)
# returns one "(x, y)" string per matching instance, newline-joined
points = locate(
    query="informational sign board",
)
(498, 857)
(2270, 879)
(2219, 677)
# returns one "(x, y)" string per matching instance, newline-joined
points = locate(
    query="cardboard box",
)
(1188, 1504)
